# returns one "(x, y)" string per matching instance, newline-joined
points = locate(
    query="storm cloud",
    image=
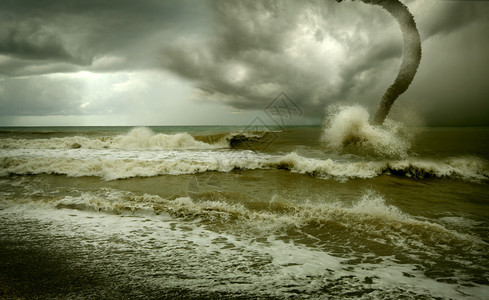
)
(84, 33)
(314, 53)
(241, 54)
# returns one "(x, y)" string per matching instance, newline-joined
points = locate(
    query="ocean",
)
(224, 212)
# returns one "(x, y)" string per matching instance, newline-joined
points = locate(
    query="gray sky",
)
(144, 62)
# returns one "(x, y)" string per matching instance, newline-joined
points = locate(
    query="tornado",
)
(411, 55)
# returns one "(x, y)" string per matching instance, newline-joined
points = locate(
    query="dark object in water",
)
(75, 146)
(240, 139)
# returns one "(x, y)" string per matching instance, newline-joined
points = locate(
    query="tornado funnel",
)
(411, 56)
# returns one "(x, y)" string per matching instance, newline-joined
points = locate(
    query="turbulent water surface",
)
(348, 211)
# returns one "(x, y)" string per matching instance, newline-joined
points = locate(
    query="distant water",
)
(349, 211)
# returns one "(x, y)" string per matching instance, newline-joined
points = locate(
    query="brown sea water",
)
(345, 211)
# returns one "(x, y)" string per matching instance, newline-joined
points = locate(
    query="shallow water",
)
(213, 212)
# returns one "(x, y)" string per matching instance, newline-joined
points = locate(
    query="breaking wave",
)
(255, 244)
(466, 168)
(140, 138)
(347, 129)
(143, 138)
(370, 214)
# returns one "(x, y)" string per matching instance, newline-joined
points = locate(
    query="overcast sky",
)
(220, 62)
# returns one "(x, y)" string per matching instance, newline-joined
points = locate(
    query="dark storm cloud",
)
(241, 53)
(40, 38)
(451, 16)
(311, 51)
(29, 40)
(452, 84)
(255, 39)
(79, 32)
(452, 87)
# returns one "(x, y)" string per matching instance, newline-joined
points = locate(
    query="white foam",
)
(207, 260)
(463, 222)
(370, 211)
(468, 168)
(140, 138)
(111, 164)
(143, 138)
(347, 128)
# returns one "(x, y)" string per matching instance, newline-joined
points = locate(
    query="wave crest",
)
(347, 129)
(144, 138)
(369, 215)
(467, 168)
(140, 138)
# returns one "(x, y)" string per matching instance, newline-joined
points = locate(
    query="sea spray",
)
(145, 138)
(191, 162)
(370, 215)
(347, 129)
(140, 138)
